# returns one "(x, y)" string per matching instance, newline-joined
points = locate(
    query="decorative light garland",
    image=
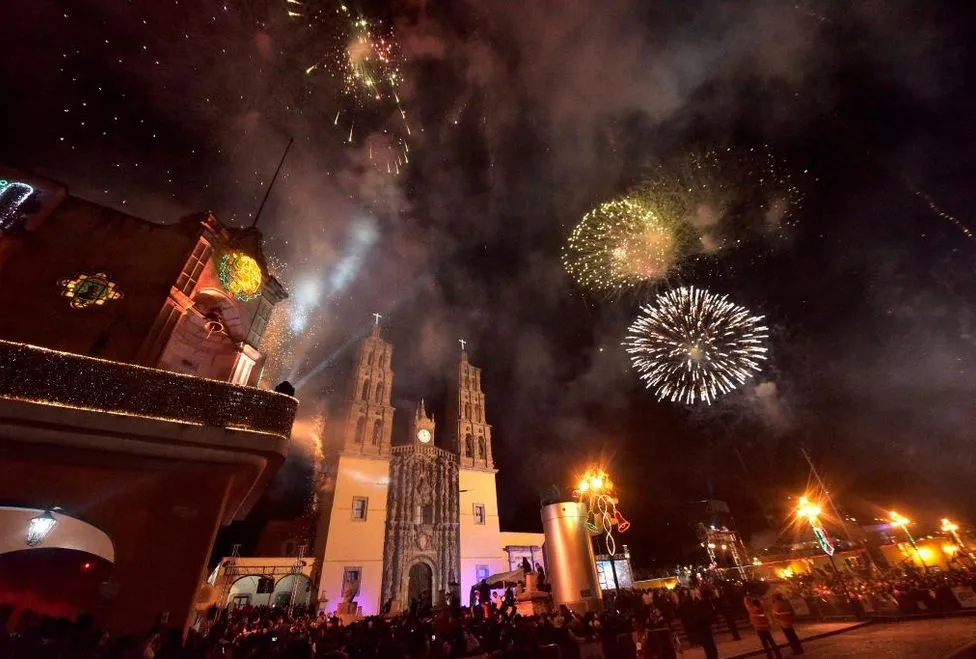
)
(595, 489)
(9, 210)
(240, 275)
(50, 377)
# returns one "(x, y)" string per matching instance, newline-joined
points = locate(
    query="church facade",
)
(408, 522)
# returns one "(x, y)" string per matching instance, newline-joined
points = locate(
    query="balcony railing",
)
(39, 375)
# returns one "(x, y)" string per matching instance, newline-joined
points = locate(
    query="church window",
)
(477, 413)
(467, 411)
(365, 395)
(425, 514)
(359, 507)
(465, 381)
(361, 430)
(479, 513)
(377, 429)
(369, 357)
(379, 392)
(468, 445)
(481, 448)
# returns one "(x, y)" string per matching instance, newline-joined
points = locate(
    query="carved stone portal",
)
(421, 557)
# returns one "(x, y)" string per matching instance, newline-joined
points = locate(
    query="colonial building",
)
(416, 518)
(128, 435)
(190, 297)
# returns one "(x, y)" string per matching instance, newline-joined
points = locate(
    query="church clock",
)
(423, 436)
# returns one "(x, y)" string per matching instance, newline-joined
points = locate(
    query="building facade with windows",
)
(190, 297)
(411, 520)
(128, 426)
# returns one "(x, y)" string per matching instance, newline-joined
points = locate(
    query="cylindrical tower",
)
(569, 557)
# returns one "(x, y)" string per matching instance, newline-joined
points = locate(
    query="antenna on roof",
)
(274, 178)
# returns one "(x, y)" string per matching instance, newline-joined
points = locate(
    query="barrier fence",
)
(942, 599)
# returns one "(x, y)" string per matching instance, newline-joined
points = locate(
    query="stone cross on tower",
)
(462, 342)
(376, 318)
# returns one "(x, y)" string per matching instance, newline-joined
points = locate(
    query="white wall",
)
(353, 543)
(480, 544)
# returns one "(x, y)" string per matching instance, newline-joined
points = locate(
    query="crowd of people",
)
(252, 633)
(905, 591)
(645, 624)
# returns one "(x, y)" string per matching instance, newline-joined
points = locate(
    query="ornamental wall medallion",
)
(90, 290)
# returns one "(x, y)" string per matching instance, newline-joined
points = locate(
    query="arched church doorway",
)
(420, 585)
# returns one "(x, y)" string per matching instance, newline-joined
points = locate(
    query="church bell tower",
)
(369, 424)
(468, 406)
(479, 530)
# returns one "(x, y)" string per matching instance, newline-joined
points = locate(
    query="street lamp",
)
(903, 522)
(810, 511)
(596, 489)
(952, 529)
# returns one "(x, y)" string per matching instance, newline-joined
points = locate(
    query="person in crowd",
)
(786, 618)
(760, 623)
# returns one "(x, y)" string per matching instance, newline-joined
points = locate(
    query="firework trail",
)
(690, 345)
(945, 215)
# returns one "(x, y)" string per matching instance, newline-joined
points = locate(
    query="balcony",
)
(48, 377)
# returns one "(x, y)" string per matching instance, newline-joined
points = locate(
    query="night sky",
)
(524, 116)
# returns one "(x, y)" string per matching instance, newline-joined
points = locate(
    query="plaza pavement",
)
(910, 639)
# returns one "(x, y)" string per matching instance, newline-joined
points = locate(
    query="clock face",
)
(423, 435)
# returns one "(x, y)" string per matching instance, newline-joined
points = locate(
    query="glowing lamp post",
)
(952, 529)
(40, 527)
(596, 489)
(810, 511)
(903, 522)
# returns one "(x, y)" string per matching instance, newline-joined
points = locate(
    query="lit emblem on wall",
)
(13, 195)
(88, 290)
(240, 275)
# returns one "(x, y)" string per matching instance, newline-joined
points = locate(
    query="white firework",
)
(690, 345)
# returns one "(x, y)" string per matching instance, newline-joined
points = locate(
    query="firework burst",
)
(690, 345)
(622, 243)
(362, 59)
(727, 196)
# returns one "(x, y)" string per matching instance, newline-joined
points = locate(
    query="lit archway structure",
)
(68, 533)
(59, 572)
